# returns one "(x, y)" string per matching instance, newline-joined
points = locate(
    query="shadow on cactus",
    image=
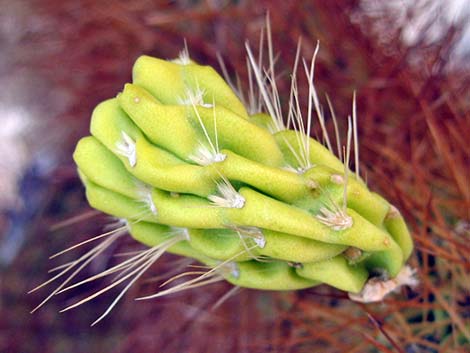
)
(191, 166)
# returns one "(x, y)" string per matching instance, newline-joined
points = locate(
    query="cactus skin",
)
(177, 149)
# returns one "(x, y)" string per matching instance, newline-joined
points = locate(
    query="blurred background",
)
(408, 61)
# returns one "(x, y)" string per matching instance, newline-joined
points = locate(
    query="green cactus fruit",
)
(178, 158)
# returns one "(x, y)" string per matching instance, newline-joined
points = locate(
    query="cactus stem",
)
(227, 196)
(303, 213)
(376, 288)
(126, 147)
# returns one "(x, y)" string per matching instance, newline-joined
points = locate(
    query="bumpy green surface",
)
(142, 163)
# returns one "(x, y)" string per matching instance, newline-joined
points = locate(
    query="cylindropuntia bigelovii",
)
(190, 167)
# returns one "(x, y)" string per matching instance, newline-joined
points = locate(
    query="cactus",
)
(177, 157)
